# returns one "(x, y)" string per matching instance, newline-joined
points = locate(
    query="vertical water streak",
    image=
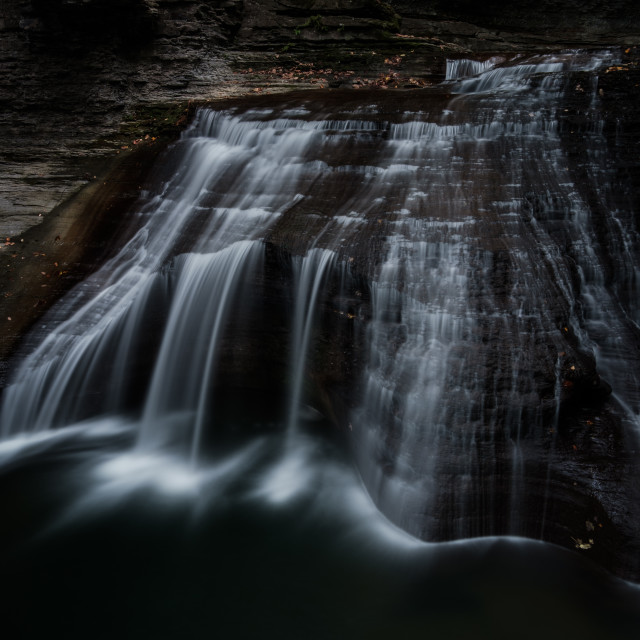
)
(310, 273)
(73, 358)
(553, 429)
(606, 253)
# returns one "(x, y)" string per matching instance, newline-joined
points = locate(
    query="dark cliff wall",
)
(77, 56)
(72, 71)
(530, 20)
(467, 23)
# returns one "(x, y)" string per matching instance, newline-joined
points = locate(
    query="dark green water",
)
(275, 538)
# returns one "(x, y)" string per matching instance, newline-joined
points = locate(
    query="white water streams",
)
(206, 292)
(309, 274)
(480, 254)
(464, 68)
(234, 179)
(451, 387)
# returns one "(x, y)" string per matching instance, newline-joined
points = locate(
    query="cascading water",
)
(473, 285)
(445, 283)
(233, 195)
(204, 298)
(309, 279)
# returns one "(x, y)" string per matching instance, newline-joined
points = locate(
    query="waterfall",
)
(454, 359)
(481, 294)
(464, 68)
(235, 178)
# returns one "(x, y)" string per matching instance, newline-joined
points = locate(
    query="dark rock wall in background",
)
(529, 21)
(71, 71)
(470, 24)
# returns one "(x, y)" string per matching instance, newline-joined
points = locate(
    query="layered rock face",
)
(73, 70)
(511, 24)
(498, 24)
